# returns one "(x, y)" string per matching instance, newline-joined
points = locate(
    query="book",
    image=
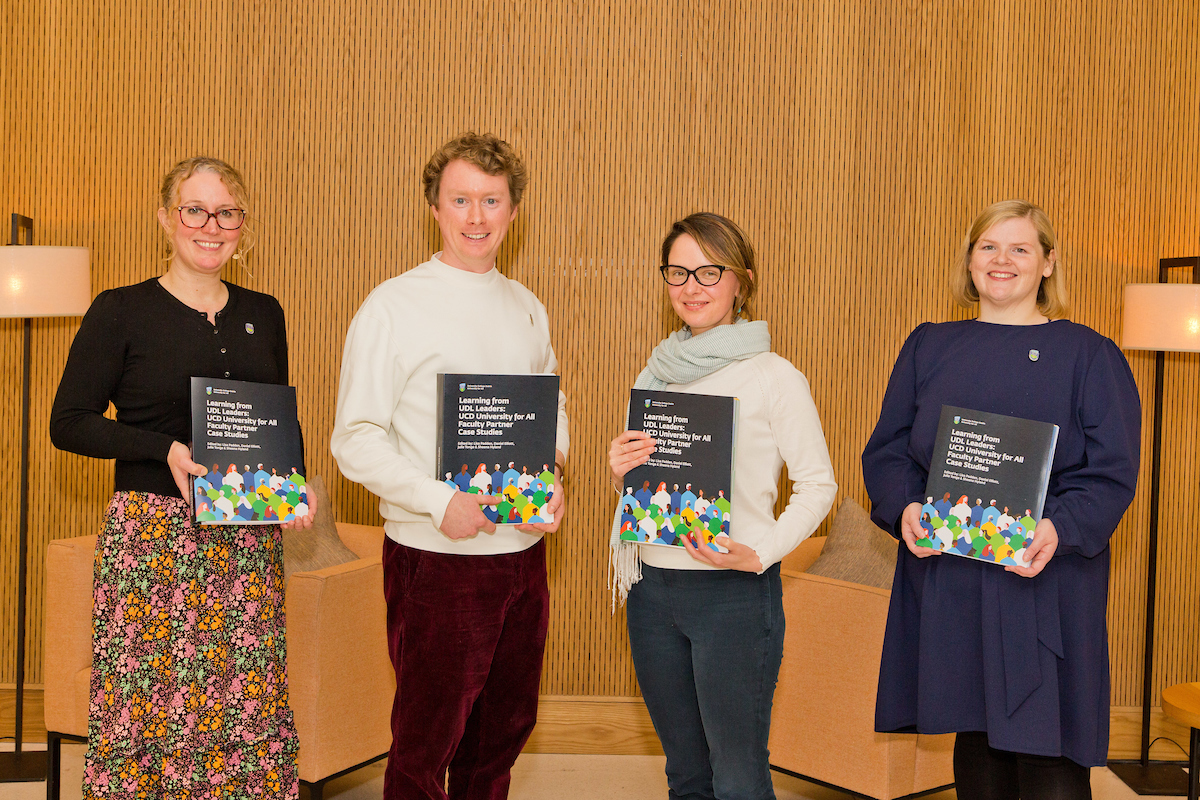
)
(685, 489)
(1001, 462)
(249, 434)
(496, 436)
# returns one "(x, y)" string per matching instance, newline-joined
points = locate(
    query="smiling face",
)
(200, 251)
(702, 308)
(1007, 266)
(473, 211)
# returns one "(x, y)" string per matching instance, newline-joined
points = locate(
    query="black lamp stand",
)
(1159, 777)
(18, 765)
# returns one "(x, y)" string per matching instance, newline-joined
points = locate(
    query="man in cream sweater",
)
(468, 602)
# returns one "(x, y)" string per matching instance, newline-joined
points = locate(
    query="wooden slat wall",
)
(853, 140)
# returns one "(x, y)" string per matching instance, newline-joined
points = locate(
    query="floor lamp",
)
(1165, 318)
(34, 282)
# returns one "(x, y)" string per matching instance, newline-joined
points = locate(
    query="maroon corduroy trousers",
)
(466, 636)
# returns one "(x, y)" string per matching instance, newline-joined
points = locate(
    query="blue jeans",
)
(706, 647)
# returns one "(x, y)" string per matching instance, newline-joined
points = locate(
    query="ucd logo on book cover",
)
(462, 387)
(957, 420)
(647, 402)
(208, 390)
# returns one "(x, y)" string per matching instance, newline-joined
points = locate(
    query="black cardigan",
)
(137, 348)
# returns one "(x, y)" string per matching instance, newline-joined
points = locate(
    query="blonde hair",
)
(169, 193)
(489, 153)
(1052, 292)
(725, 244)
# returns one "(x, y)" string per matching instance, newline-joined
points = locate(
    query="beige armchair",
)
(340, 681)
(823, 719)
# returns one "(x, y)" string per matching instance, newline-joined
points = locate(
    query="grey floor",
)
(547, 777)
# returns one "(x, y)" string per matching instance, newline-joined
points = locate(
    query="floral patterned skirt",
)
(189, 668)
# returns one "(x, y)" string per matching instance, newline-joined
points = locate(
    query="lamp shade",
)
(44, 281)
(1162, 316)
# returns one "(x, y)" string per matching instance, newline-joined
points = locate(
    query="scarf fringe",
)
(624, 570)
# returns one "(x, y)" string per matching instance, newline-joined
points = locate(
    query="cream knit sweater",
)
(433, 318)
(777, 424)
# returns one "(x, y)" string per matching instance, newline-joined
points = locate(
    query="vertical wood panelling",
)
(853, 141)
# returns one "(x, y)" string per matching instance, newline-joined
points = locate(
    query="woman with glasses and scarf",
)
(706, 627)
(189, 671)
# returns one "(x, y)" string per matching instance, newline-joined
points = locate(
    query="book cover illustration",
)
(496, 435)
(248, 435)
(684, 490)
(1001, 463)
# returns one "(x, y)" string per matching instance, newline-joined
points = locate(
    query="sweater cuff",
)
(160, 444)
(436, 496)
(765, 558)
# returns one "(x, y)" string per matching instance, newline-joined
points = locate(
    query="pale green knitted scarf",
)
(680, 359)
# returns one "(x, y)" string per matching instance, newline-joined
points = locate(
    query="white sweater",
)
(777, 424)
(433, 318)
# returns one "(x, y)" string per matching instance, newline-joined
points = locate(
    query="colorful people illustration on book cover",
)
(240, 497)
(654, 515)
(988, 533)
(524, 494)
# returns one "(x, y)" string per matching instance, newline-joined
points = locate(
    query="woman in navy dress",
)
(1013, 660)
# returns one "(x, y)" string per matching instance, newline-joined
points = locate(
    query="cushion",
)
(856, 550)
(317, 547)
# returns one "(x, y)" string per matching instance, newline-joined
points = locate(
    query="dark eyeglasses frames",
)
(707, 275)
(228, 219)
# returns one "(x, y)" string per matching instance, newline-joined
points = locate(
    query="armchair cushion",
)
(340, 679)
(856, 550)
(68, 639)
(823, 720)
(318, 547)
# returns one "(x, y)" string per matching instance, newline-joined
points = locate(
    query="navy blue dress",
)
(969, 646)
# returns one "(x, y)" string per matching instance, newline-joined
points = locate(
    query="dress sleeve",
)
(796, 426)
(90, 379)
(373, 377)
(281, 344)
(892, 478)
(1087, 501)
